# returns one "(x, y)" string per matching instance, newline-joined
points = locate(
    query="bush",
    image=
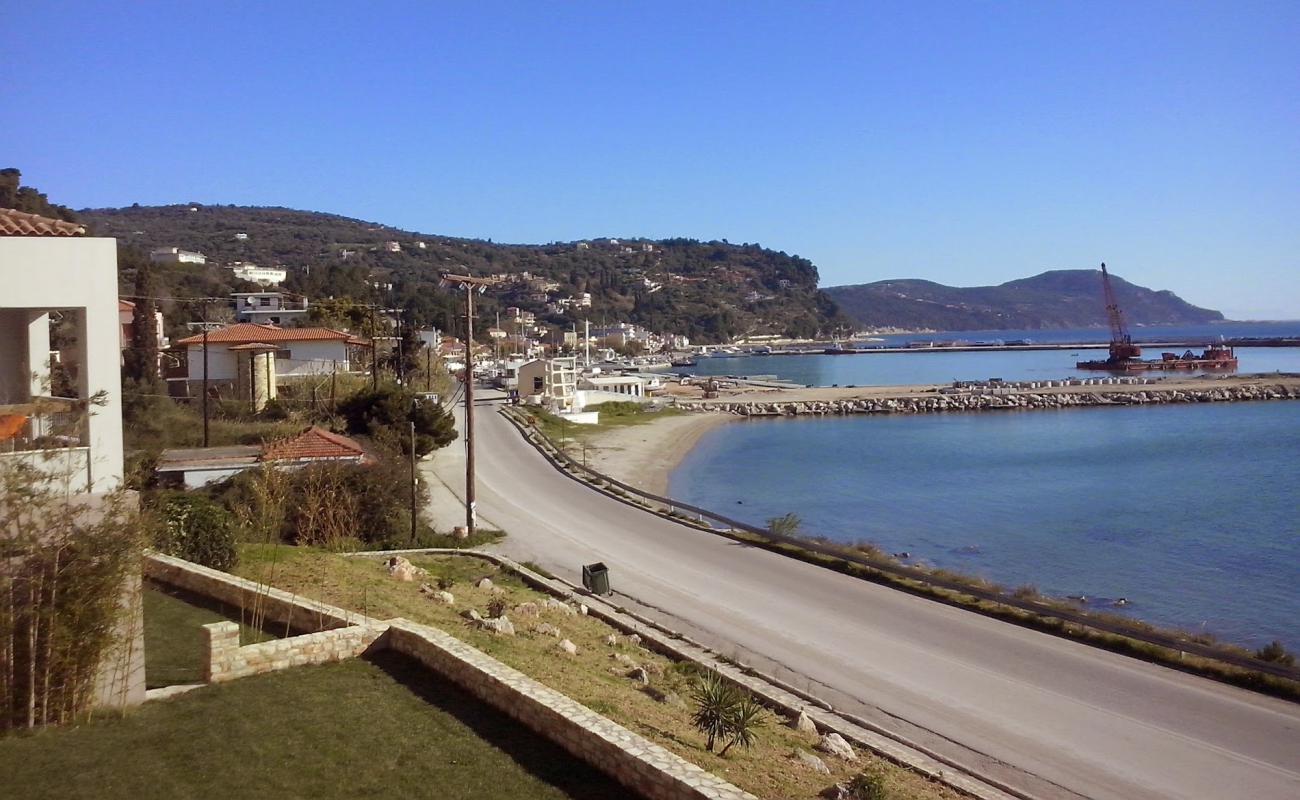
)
(724, 712)
(1276, 653)
(496, 606)
(386, 413)
(868, 786)
(197, 529)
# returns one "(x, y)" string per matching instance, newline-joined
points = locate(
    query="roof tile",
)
(19, 223)
(313, 443)
(257, 333)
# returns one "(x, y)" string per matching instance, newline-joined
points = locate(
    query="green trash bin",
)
(595, 577)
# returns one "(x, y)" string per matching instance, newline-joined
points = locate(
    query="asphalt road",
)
(1046, 715)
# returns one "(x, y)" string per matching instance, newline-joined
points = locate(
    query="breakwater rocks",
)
(1010, 401)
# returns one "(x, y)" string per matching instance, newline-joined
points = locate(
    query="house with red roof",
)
(297, 352)
(200, 466)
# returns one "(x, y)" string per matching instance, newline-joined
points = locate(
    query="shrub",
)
(868, 786)
(197, 529)
(724, 712)
(385, 413)
(496, 605)
(1276, 653)
(787, 525)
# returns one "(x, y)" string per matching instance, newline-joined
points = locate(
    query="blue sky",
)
(967, 143)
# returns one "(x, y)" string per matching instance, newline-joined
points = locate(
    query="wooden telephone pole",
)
(472, 285)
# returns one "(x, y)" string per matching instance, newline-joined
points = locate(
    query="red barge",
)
(1124, 355)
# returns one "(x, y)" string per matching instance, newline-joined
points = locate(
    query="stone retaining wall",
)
(646, 768)
(283, 608)
(226, 660)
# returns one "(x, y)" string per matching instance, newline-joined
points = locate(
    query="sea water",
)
(1189, 512)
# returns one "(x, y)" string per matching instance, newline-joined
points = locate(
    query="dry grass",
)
(593, 677)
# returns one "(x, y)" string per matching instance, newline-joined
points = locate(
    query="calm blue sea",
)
(923, 367)
(1190, 512)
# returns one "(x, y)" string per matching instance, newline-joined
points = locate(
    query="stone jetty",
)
(1005, 399)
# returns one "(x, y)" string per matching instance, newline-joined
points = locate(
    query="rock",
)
(528, 609)
(654, 668)
(803, 723)
(471, 614)
(611, 640)
(623, 659)
(837, 791)
(403, 570)
(582, 609)
(427, 589)
(498, 625)
(835, 745)
(569, 647)
(634, 639)
(552, 604)
(446, 598)
(639, 675)
(484, 583)
(547, 629)
(812, 762)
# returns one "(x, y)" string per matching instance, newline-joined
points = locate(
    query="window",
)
(283, 354)
(538, 385)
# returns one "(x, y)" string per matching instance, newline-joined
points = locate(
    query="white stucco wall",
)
(305, 358)
(80, 275)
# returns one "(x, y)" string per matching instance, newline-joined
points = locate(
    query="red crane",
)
(1121, 343)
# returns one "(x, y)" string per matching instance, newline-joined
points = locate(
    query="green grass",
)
(173, 637)
(381, 727)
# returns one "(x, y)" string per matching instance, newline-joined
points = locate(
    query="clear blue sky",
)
(966, 143)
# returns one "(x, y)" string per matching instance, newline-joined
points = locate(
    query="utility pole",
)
(205, 373)
(414, 484)
(471, 285)
(374, 353)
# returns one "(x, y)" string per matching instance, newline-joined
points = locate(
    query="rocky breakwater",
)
(1003, 401)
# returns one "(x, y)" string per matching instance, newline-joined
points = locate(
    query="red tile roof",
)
(257, 333)
(20, 223)
(313, 444)
(124, 305)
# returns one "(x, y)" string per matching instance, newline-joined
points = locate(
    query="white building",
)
(51, 266)
(126, 320)
(274, 308)
(242, 237)
(298, 351)
(267, 276)
(175, 255)
(597, 389)
(393, 247)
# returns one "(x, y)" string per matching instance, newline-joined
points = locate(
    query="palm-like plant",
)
(714, 700)
(746, 717)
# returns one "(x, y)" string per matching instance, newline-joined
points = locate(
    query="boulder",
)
(403, 570)
(498, 625)
(653, 668)
(803, 723)
(834, 744)
(569, 647)
(552, 604)
(484, 583)
(611, 640)
(582, 609)
(639, 675)
(471, 614)
(528, 609)
(547, 629)
(811, 761)
(634, 639)
(446, 598)
(626, 660)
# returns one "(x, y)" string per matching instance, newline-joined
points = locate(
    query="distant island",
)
(1065, 298)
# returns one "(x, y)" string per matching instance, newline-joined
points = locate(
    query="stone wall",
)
(226, 660)
(646, 768)
(292, 611)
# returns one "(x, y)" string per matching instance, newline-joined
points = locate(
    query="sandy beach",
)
(644, 455)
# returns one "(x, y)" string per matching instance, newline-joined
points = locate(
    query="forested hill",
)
(709, 291)
(1067, 298)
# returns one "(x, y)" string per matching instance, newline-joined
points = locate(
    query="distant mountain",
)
(709, 291)
(1065, 298)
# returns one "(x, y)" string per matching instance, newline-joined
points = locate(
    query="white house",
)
(126, 319)
(196, 467)
(175, 255)
(275, 308)
(51, 266)
(298, 351)
(267, 276)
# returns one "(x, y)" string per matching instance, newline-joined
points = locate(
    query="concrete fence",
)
(226, 660)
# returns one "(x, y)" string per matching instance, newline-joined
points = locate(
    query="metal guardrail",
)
(565, 463)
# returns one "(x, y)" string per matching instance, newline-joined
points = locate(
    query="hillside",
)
(1068, 298)
(709, 291)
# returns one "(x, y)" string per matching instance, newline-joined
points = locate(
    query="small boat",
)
(838, 348)
(683, 362)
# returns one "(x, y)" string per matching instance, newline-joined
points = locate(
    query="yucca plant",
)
(715, 700)
(746, 717)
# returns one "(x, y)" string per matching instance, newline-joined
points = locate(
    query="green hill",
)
(709, 291)
(1068, 298)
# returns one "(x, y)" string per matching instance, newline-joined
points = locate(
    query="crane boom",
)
(1121, 343)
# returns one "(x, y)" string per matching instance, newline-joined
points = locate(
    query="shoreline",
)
(645, 455)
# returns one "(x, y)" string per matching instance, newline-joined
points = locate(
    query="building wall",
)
(80, 275)
(305, 358)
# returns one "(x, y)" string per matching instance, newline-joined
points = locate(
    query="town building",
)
(393, 247)
(267, 276)
(51, 267)
(196, 467)
(275, 308)
(126, 321)
(296, 352)
(175, 255)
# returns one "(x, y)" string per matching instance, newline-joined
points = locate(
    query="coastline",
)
(645, 455)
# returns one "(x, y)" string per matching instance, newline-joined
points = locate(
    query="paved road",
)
(1056, 718)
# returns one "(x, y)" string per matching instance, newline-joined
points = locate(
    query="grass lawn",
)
(173, 639)
(594, 677)
(382, 727)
